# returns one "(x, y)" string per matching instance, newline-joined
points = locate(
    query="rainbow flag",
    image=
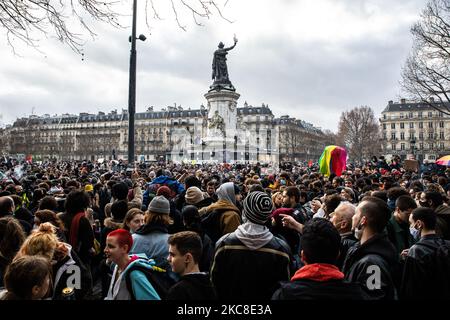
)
(333, 160)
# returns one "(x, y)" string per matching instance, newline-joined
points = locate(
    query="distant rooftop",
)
(405, 105)
(150, 113)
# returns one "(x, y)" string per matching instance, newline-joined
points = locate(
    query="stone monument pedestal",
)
(220, 141)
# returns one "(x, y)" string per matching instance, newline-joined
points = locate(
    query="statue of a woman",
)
(219, 65)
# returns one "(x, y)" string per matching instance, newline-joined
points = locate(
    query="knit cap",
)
(159, 204)
(193, 195)
(257, 207)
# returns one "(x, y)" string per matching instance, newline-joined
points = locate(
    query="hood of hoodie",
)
(153, 227)
(226, 192)
(111, 224)
(253, 236)
(318, 272)
(141, 260)
(379, 244)
(222, 205)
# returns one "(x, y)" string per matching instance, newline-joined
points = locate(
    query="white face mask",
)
(359, 231)
(415, 233)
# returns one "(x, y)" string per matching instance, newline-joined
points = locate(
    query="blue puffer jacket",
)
(161, 181)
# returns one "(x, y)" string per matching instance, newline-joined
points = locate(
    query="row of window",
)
(412, 136)
(420, 146)
(419, 114)
(411, 125)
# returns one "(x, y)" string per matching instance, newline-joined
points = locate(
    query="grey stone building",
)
(105, 135)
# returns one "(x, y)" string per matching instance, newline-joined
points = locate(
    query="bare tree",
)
(426, 73)
(30, 20)
(359, 132)
(290, 142)
(329, 137)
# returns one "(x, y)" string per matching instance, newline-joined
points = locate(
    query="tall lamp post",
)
(132, 86)
(413, 146)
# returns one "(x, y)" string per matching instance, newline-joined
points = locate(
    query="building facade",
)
(415, 130)
(105, 135)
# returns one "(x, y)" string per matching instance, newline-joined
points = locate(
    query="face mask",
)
(415, 233)
(424, 204)
(359, 231)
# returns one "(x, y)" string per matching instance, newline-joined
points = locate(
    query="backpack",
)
(441, 262)
(158, 278)
(211, 224)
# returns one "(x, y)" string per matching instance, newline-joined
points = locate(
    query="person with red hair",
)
(128, 280)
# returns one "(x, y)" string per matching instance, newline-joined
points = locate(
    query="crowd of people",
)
(94, 231)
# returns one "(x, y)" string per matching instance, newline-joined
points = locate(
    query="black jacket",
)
(422, 279)
(241, 273)
(85, 236)
(205, 203)
(63, 275)
(373, 263)
(207, 253)
(195, 286)
(443, 221)
(307, 289)
(175, 214)
(25, 215)
(347, 241)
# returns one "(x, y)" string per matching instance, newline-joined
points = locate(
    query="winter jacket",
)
(24, 214)
(142, 288)
(207, 253)
(85, 236)
(421, 279)
(249, 263)
(177, 225)
(193, 286)
(443, 221)
(364, 262)
(63, 275)
(229, 217)
(399, 235)
(300, 214)
(205, 203)
(292, 237)
(319, 282)
(151, 240)
(348, 240)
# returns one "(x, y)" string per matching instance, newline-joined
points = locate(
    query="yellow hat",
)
(88, 188)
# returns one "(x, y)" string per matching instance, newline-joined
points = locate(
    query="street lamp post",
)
(413, 146)
(132, 86)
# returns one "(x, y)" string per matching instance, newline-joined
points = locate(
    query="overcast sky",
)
(309, 59)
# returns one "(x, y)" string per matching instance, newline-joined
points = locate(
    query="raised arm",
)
(234, 45)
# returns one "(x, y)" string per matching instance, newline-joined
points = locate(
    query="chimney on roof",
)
(403, 100)
(390, 102)
(431, 99)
